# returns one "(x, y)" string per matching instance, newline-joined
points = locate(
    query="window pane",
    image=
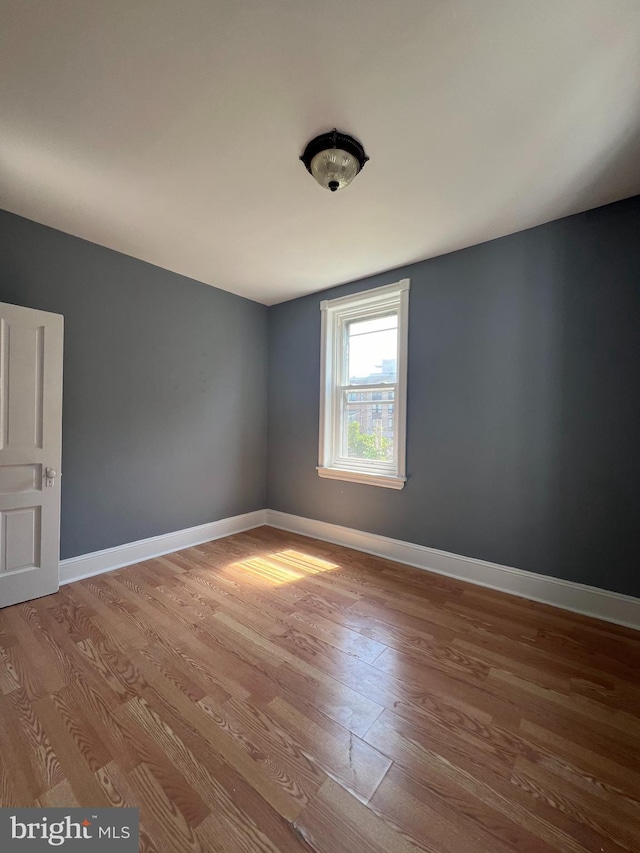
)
(376, 324)
(368, 435)
(372, 350)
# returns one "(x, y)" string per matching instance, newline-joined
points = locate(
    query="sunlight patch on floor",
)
(282, 567)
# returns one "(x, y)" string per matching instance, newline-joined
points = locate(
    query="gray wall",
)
(164, 422)
(524, 406)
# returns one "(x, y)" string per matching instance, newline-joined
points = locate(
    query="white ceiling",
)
(171, 131)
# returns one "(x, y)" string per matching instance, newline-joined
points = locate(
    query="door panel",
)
(20, 539)
(20, 478)
(22, 392)
(30, 445)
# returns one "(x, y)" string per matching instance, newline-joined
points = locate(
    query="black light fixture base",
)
(334, 139)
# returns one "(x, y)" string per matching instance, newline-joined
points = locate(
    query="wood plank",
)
(213, 737)
(478, 749)
(60, 796)
(26, 748)
(120, 794)
(427, 820)
(209, 785)
(74, 766)
(260, 731)
(343, 756)
(584, 807)
(356, 709)
(336, 820)
(530, 823)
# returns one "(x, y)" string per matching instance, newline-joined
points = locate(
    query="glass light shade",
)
(334, 168)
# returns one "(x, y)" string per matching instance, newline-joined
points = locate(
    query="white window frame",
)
(334, 387)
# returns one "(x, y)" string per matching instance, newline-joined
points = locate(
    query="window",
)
(364, 360)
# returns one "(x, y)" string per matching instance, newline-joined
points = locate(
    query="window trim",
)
(335, 314)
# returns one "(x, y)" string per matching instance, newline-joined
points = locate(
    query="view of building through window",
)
(372, 360)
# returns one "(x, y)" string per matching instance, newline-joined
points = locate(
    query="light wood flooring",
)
(268, 692)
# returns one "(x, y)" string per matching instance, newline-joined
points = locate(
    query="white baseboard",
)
(577, 597)
(87, 565)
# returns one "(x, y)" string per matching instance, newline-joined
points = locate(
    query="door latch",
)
(50, 475)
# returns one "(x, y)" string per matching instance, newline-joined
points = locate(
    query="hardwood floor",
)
(269, 692)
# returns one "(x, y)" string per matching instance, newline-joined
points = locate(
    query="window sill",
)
(387, 482)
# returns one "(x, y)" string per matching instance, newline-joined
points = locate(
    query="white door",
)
(30, 452)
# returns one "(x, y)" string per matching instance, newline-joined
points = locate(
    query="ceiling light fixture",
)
(334, 159)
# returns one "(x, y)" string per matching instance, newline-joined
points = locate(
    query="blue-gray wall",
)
(524, 404)
(164, 422)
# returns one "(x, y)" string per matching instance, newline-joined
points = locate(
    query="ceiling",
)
(171, 131)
